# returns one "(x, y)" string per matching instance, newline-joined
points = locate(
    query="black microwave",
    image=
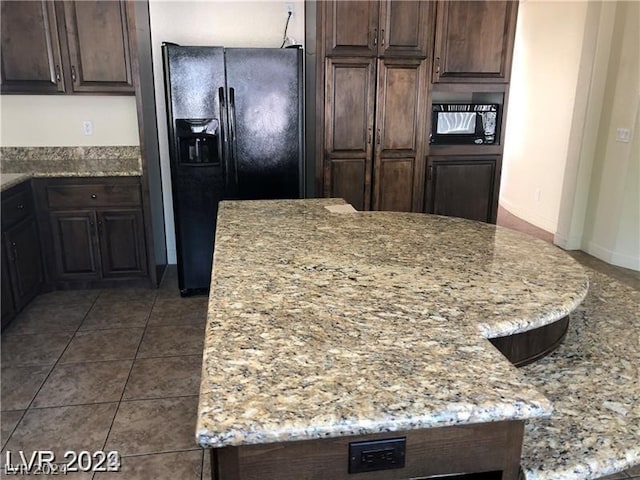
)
(461, 123)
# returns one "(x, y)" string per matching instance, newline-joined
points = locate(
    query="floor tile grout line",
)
(202, 460)
(106, 402)
(128, 400)
(55, 364)
(197, 449)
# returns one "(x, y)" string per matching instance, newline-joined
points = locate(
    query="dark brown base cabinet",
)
(22, 272)
(463, 186)
(94, 230)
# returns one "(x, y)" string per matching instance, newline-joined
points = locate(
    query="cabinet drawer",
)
(16, 208)
(99, 195)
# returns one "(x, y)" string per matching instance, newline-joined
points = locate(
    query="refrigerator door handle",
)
(232, 128)
(223, 147)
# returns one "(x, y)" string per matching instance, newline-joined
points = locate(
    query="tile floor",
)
(108, 370)
(120, 370)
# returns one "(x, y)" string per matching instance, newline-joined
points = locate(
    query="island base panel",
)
(474, 448)
(527, 347)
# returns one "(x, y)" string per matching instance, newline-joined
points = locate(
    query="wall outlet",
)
(87, 127)
(289, 8)
(623, 135)
(537, 194)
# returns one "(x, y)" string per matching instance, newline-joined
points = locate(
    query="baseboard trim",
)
(614, 258)
(571, 243)
(539, 221)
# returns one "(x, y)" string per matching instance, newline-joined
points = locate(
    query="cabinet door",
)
(406, 28)
(399, 136)
(466, 187)
(474, 41)
(349, 107)
(351, 28)
(98, 46)
(31, 58)
(6, 302)
(75, 247)
(23, 246)
(122, 245)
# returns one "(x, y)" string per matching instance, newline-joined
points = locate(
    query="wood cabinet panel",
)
(491, 450)
(122, 246)
(464, 187)
(406, 28)
(22, 269)
(23, 245)
(74, 243)
(474, 41)
(349, 115)
(31, 53)
(6, 301)
(95, 195)
(66, 47)
(348, 181)
(94, 232)
(399, 149)
(17, 207)
(456, 51)
(351, 27)
(395, 185)
(98, 46)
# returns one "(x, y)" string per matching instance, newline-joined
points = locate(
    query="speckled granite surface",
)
(593, 380)
(8, 180)
(71, 161)
(328, 324)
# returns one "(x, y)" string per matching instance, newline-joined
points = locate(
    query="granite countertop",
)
(99, 161)
(593, 380)
(8, 180)
(329, 324)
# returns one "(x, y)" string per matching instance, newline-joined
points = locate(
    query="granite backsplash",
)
(72, 161)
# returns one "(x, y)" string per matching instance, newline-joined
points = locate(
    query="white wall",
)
(612, 227)
(576, 79)
(546, 64)
(214, 23)
(56, 120)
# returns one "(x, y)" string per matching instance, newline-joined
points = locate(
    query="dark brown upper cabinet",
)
(31, 53)
(389, 28)
(98, 40)
(65, 47)
(474, 41)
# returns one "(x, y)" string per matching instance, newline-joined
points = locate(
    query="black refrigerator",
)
(235, 132)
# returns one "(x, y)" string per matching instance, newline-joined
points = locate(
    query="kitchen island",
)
(325, 329)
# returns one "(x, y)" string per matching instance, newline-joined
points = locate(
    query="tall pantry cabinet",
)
(374, 97)
(379, 68)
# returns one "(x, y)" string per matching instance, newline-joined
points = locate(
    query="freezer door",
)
(265, 121)
(196, 115)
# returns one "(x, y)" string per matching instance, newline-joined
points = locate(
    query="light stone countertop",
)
(330, 324)
(593, 380)
(8, 180)
(97, 161)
